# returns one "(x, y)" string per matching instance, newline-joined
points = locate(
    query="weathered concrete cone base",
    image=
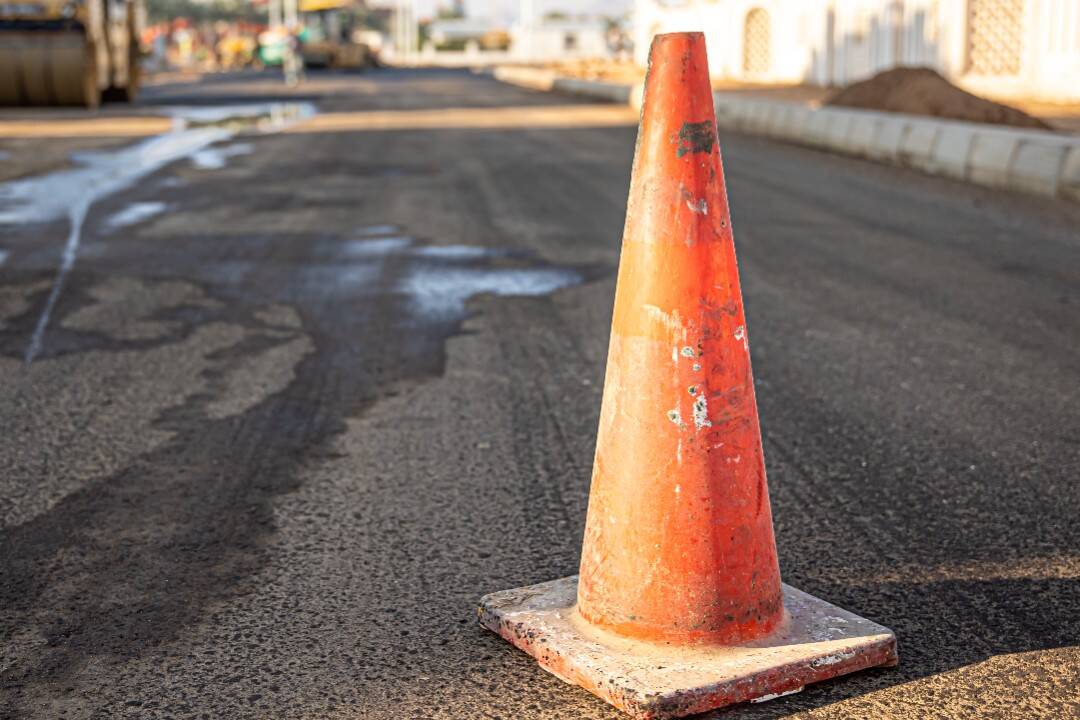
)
(817, 641)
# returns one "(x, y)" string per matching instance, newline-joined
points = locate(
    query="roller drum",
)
(38, 68)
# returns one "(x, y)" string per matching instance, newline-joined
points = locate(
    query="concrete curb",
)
(1031, 161)
(614, 92)
(547, 80)
(527, 77)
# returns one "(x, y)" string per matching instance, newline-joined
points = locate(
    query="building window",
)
(757, 42)
(995, 36)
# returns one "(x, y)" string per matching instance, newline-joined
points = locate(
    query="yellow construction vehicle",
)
(332, 35)
(69, 52)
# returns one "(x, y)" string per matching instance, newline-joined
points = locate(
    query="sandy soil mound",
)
(922, 91)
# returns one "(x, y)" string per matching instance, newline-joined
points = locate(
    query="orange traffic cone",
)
(679, 606)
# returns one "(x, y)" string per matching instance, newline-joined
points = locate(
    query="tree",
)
(159, 10)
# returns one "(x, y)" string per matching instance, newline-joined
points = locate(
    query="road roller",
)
(332, 34)
(69, 52)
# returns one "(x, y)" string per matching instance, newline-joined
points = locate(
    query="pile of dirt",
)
(922, 91)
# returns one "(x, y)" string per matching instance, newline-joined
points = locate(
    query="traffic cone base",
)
(815, 641)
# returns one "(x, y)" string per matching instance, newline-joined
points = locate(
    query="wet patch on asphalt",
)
(288, 337)
(68, 194)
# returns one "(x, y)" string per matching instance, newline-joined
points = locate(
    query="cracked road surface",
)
(297, 406)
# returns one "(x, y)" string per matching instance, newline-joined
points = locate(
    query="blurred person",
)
(272, 42)
(292, 62)
(235, 49)
(183, 44)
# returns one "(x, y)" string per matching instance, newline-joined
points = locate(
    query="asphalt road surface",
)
(280, 405)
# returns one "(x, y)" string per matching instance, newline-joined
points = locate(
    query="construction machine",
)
(333, 35)
(69, 52)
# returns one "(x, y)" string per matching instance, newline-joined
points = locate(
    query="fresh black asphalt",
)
(282, 435)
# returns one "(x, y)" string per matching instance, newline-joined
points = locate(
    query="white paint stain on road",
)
(69, 193)
(376, 247)
(440, 293)
(440, 279)
(264, 117)
(377, 230)
(215, 158)
(456, 252)
(134, 214)
(96, 175)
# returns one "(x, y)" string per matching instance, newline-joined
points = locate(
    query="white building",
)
(459, 30)
(1004, 48)
(559, 39)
